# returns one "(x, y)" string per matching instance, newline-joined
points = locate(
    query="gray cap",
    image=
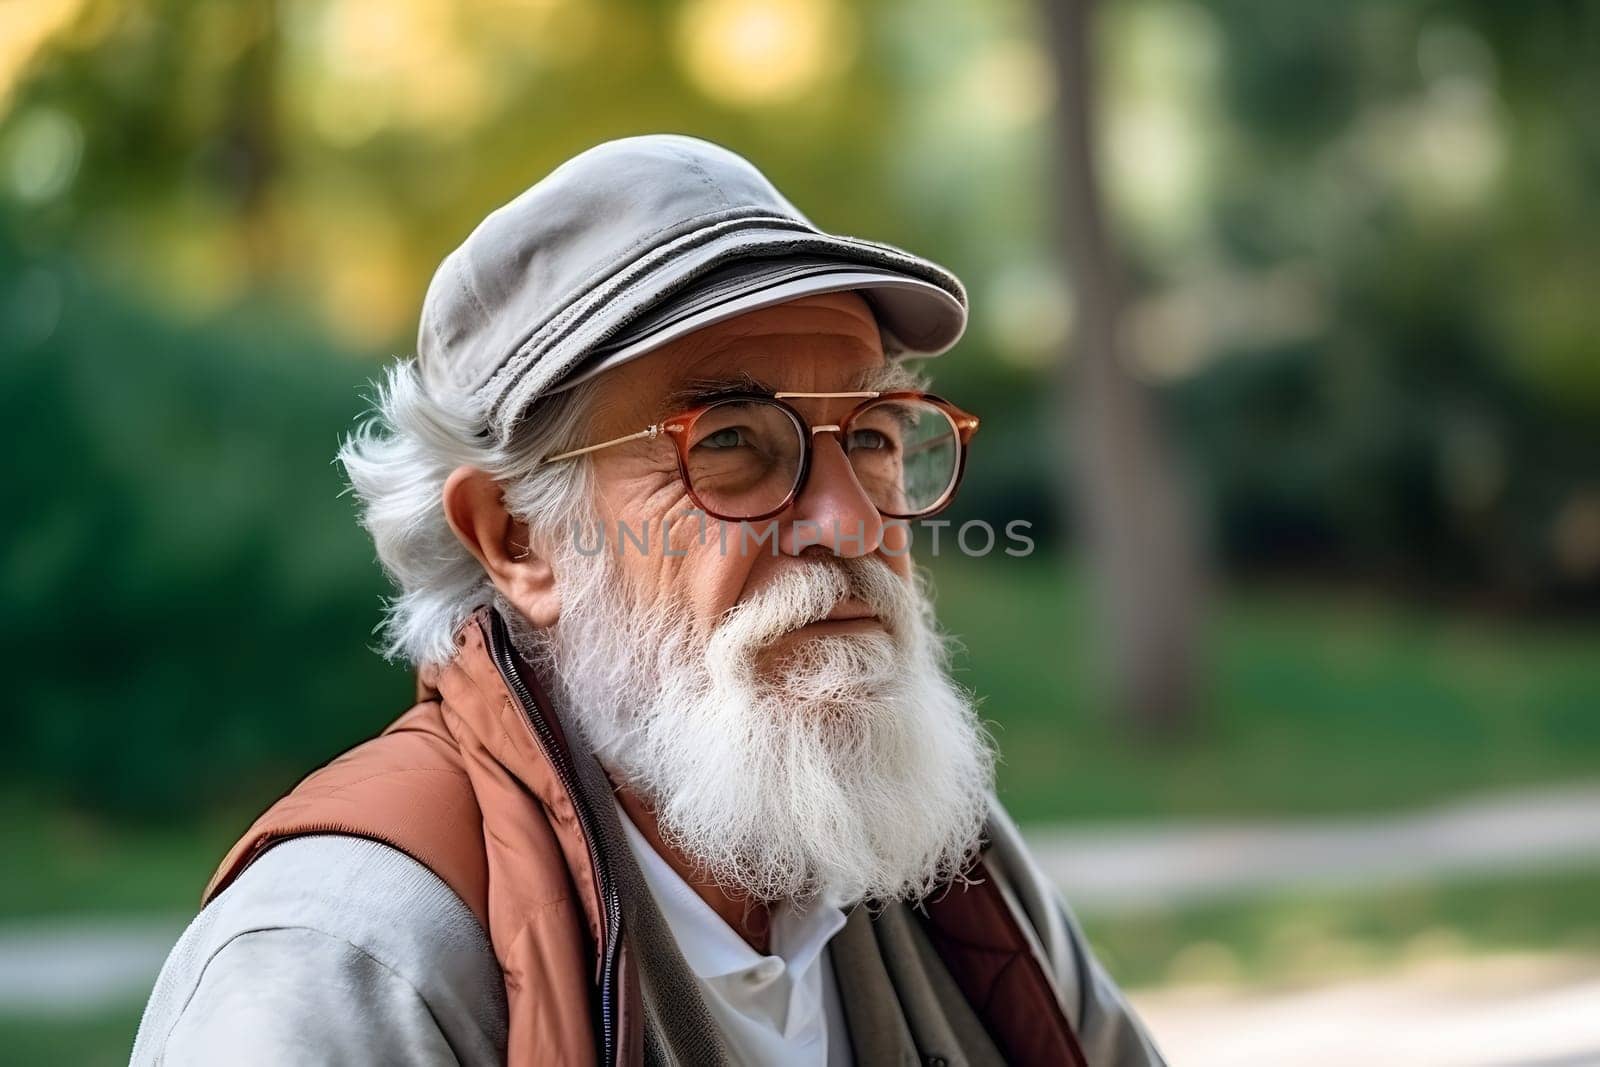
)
(632, 244)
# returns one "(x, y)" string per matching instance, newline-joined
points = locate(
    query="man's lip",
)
(842, 619)
(848, 611)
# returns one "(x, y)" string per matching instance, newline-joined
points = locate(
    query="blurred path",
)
(1119, 867)
(1500, 1011)
(81, 964)
(75, 965)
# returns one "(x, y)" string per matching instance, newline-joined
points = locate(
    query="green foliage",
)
(185, 596)
(1423, 176)
(1424, 465)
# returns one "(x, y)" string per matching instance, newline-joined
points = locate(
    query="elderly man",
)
(687, 781)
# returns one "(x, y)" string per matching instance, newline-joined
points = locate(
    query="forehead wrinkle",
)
(724, 350)
(850, 302)
(728, 357)
(825, 315)
(774, 339)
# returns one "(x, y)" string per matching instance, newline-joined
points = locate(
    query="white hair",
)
(852, 768)
(397, 461)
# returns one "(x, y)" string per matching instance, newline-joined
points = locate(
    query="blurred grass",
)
(1316, 702)
(101, 1038)
(1316, 938)
(63, 863)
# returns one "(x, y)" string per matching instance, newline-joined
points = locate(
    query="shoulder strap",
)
(406, 788)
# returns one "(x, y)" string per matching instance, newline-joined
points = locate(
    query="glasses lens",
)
(744, 458)
(905, 453)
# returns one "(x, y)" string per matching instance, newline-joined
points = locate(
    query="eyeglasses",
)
(746, 457)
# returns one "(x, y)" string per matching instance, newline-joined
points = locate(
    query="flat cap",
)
(636, 242)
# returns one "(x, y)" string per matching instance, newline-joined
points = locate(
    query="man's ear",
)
(475, 508)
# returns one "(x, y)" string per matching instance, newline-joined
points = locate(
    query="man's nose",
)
(832, 509)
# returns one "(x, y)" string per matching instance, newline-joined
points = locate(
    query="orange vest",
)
(477, 783)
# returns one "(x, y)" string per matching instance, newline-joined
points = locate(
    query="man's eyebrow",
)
(890, 377)
(698, 391)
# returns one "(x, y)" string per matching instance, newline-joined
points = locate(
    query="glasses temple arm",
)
(651, 431)
(864, 394)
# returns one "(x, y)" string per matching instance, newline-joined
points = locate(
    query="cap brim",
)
(917, 317)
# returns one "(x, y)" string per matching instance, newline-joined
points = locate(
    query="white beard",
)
(849, 768)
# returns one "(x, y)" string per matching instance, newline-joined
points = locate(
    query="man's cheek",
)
(715, 578)
(684, 531)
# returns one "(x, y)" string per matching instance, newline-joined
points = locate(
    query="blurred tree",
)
(1135, 520)
(1384, 369)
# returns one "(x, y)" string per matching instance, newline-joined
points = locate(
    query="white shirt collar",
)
(711, 947)
(781, 1008)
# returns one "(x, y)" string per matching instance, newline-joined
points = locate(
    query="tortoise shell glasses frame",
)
(680, 428)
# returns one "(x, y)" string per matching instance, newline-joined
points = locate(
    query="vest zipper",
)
(561, 761)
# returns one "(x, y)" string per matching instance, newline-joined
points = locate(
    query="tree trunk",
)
(1125, 497)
